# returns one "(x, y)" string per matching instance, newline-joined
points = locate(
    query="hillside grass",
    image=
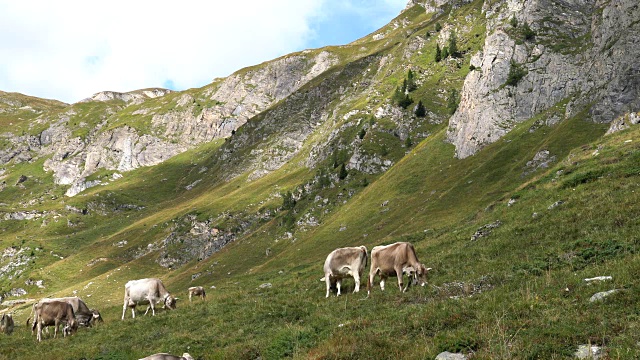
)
(533, 302)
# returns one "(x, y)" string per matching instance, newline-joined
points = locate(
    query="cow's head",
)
(95, 315)
(421, 274)
(170, 302)
(70, 328)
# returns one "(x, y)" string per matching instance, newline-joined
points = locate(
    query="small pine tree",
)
(408, 142)
(372, 121)
(514, 21)
(527, 32)
(438, 27)
(438, 53)
(288, 202)
(342, 173)
(411, 82)
(445, 53)
(453, 101)
(453, 45)
(406, 101)
(404, 86)
(362, 133)
(421, 111)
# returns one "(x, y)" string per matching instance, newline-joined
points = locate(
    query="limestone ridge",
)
(583, 56)
(191, 118)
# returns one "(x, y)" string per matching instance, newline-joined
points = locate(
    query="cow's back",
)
(339, 258)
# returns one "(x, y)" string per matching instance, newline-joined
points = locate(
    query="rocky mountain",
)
(506, 122)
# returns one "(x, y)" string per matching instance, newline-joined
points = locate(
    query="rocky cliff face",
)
(580, 53)
(193, 118)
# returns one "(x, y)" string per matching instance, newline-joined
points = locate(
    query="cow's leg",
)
(133, 312)
(356, 278)
(327, 280)
(338, 284)
(190, 296)
(124, 309)
(382, 280)
(39, 331)
(55, 330)
(370, 278)
(399, 275)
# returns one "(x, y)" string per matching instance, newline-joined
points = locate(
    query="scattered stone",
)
(588, 352)
(598, 278)
(37, 283)
(21, 179)
(534, 215)
(265, 286)
(16, 292)
(450, 356)
(601, 295)
(541, 160)
(511, 202)
(555, 205)
(485, 230)
(343, 228)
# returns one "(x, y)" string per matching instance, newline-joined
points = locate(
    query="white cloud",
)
(69, 50)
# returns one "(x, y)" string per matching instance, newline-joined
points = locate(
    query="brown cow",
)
(54, 313)
(197, 291)
(165, 356)
(344, 262)
(6, 324)
(84, 315)
(394, 260)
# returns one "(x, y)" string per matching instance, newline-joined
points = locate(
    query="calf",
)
(344, 262)
(197, 291)
(6, 324)
(394, 260)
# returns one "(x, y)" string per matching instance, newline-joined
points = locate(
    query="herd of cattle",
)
(386, 261)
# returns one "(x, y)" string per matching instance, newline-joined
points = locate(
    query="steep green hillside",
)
(510, 232)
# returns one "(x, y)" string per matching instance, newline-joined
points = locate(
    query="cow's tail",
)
(366, 255)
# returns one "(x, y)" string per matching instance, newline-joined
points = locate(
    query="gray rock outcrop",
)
(582, 57)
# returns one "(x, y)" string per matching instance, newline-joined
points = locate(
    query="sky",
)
(68, 49)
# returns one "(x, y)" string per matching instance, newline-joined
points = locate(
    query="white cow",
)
(146, 292)
(344, 262)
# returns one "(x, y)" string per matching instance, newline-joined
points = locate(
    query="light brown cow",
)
(394, 260)
(146, 291)
(84, 315)
(197, 291)
(344, 262)
(54, 313)
(6, 324)
(165, 356)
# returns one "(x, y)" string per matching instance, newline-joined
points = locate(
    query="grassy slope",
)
(435, 201)
(524, 266)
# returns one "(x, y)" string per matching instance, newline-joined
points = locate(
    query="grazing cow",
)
(146, 292)
(165, 356)
(6, 324)
(84, 315)
(197, 291)
(344, 262)
(54, 313)
(394, 260)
